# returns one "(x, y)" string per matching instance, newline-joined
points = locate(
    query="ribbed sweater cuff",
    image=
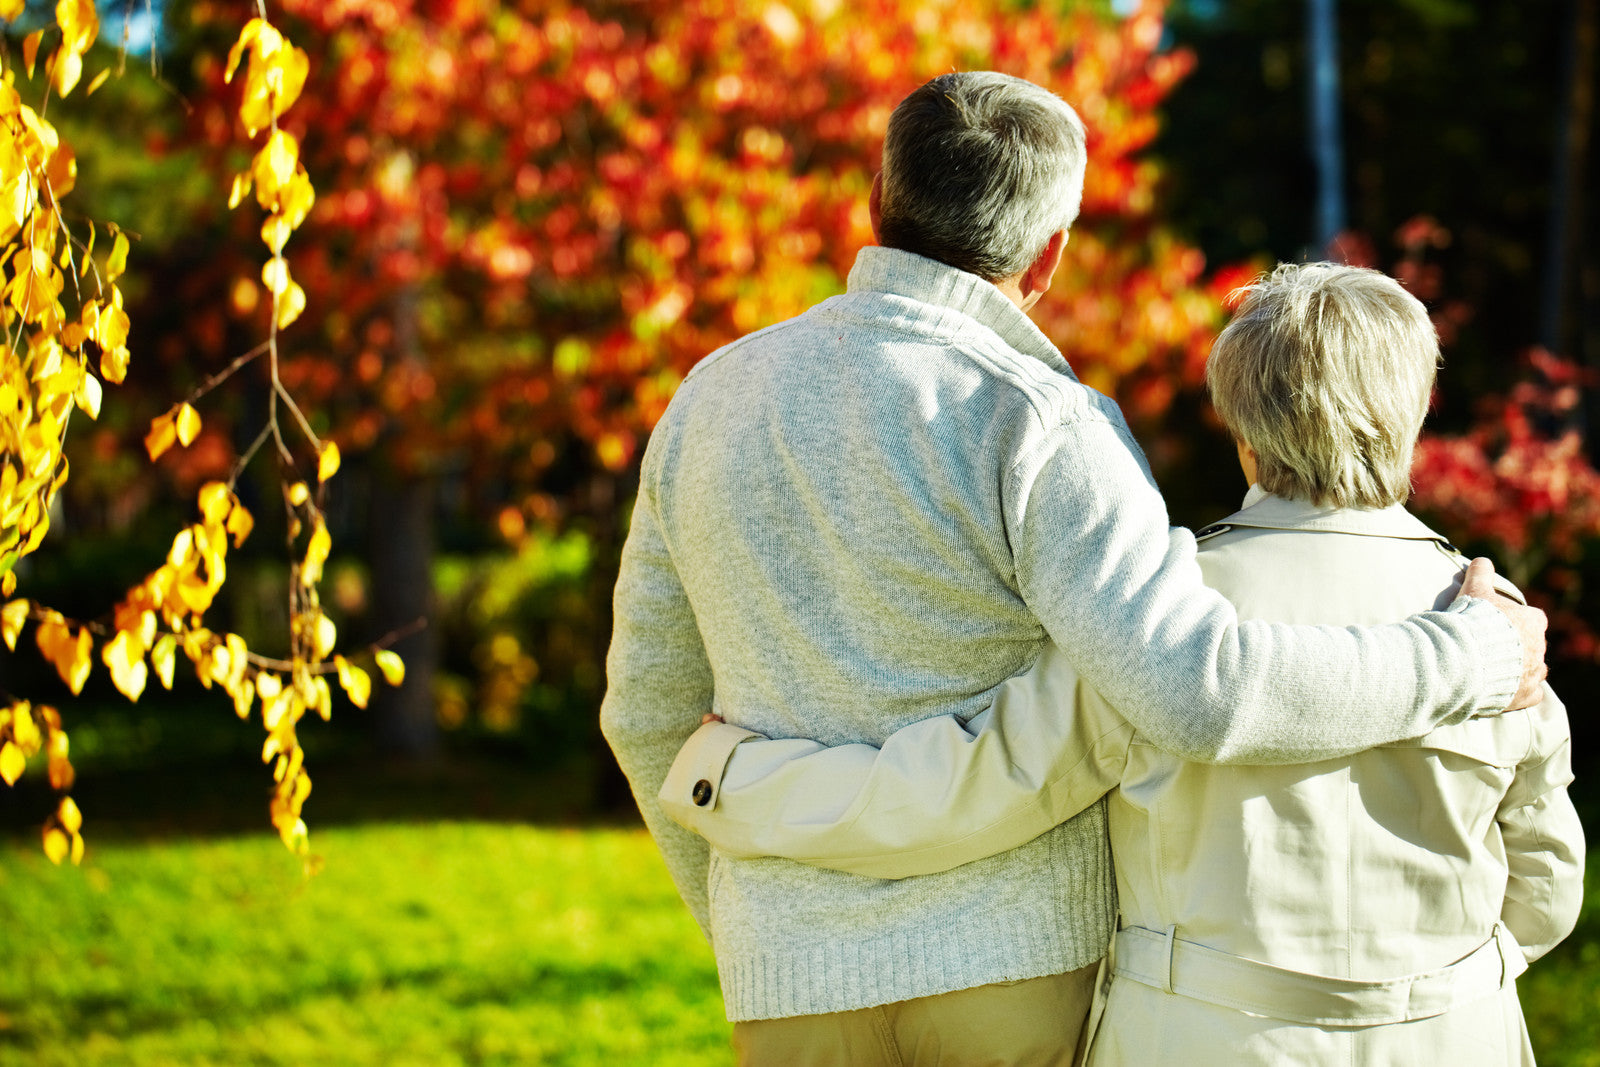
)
(1497, 652)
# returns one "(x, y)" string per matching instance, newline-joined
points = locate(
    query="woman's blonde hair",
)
(1326, 371)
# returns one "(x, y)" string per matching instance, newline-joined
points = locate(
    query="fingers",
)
(710, 716)
(1479, 579)
(1530, 622)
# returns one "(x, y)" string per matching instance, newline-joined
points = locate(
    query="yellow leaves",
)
(10, 9)
(80, 25)
(35, 284)
(12, 616)
(97, 81)
(327, 461)
(124, 655)
(71, 818)
(290, 304)
(357, 684)
(324, 636)
(275, 75)
(12, 763)
(392, 666)
(61, 836)
(289, 297)
(239, 523)
(188, 424)
(56, 845)
(180, 425)
(117, 262)
(274, 167)
(163, 657)
(317, 549)
(215, 502)
(88, 394)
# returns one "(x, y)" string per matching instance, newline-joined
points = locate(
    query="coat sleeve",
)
(1118, 589)
(937, 795)
(658, 684)
(1543, 838)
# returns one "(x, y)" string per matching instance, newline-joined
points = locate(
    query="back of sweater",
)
(831, 492)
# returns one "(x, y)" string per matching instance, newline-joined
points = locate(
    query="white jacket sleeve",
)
(1118, 588)
(937, 795)
(1543, 838)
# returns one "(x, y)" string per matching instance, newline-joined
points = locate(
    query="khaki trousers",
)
(1032, 1023)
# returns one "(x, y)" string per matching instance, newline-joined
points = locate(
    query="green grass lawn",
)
(438, 943)
(416, 944)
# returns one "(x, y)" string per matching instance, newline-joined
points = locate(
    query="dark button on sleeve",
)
(701, 793)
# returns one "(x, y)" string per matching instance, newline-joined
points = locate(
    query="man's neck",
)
(1012, 288)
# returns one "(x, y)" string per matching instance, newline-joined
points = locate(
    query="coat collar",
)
(1262, 510)
(928, 281)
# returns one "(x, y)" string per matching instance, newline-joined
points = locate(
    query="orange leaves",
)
(67, 650)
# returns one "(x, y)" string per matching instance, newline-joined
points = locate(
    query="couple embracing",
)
(1048, 778)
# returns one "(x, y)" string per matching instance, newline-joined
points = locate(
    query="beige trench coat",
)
(1367, 910)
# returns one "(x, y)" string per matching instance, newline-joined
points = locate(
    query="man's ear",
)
(1036, 279)
(874, 205)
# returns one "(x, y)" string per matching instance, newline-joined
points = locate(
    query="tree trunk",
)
(1558, 327)
(1322, 105)
(400, 554)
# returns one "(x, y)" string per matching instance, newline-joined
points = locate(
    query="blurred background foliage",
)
(534, 217)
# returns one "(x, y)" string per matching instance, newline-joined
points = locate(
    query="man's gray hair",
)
(1326, 371)
(980, 170)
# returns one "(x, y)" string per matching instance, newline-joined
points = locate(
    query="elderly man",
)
(876, 513)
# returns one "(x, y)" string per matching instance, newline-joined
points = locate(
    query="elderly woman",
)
(1367, 910)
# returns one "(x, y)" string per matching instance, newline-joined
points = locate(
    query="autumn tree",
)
(533, 218)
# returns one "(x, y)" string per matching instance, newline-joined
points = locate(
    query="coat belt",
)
(1169, 963)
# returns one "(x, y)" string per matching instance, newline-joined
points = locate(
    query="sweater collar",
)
(928, 281)
(1263, 510)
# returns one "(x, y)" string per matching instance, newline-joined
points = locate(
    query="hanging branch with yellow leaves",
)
(44, 372)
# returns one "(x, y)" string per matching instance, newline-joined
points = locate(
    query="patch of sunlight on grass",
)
(441, 944)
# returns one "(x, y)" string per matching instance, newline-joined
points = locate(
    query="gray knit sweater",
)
(878, 511)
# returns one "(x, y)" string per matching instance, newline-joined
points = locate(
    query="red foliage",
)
(534, 218)
(1519, 484)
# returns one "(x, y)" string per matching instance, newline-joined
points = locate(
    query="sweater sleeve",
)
(658, 684)
(1543, 838)
(1118, 589)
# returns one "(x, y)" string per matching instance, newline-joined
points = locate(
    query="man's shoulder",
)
(939, 348)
